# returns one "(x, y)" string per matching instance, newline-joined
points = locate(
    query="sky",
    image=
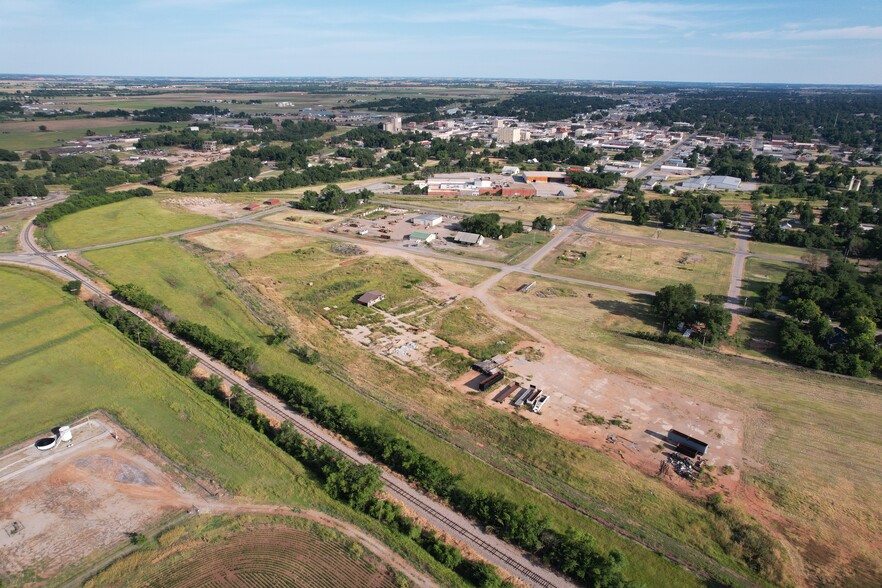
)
(750, 41)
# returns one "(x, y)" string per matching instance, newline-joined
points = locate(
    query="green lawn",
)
(642, 266)
(782, 250)
(129, 219)
(184, 283)
(758, 272)
(59, 361)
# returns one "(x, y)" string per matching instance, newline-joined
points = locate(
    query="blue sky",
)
(807, 41)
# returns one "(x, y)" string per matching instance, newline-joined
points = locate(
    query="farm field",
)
(249, 551)
(640, 265)
(799, 431)
(621, 225)
(48, 351)
(196, 293)
(120, 221)
(27, 136)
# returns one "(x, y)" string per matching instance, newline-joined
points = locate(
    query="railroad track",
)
(409, 496)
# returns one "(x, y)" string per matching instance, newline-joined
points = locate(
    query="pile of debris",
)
(347, 249)
(573, 255)
(683, 466)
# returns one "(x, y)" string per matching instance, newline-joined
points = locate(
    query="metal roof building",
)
(712, 183)
(469, 238)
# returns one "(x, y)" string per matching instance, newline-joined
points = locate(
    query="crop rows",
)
(270, 556)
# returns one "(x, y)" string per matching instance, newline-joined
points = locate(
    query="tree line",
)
(517, 523)
(353, 484)
(175, 113)
(545, 106)
(85, 200)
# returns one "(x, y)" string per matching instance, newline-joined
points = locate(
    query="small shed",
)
(252, 206)
(272, 201)
(371, 298)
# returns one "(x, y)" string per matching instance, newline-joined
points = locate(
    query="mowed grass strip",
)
(130, 219)
(640, 266)
(58, 361)
(190, 289)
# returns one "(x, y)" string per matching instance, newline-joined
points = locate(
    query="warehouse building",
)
(427, 220)
(469, 238)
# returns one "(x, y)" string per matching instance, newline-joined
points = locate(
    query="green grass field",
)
(10, 227)
(185, 284)
(468, 326)
(32, 138)
(759, 272)
(640, 265)
(129, 219)
(620, 224)
(51, 373)
(782, 250)
(59, 361)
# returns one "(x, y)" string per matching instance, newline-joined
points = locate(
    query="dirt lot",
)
(75, 499)
(209, 206)
(248, 241)
(577, 388)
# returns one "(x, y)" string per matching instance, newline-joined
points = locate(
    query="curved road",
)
(437, 514)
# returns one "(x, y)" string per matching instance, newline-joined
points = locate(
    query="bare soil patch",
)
(248, 241)
(83, 497)
(210, 206)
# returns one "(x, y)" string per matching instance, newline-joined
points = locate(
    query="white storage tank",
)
(64, 434)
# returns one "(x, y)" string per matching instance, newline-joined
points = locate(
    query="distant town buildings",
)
(393, 125)
(712, 183)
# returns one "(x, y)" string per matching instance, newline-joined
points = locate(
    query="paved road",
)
(436, 513)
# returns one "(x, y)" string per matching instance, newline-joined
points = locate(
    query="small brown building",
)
(371, 298)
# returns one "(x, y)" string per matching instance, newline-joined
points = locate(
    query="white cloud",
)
(611, 16)
(862, 32)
